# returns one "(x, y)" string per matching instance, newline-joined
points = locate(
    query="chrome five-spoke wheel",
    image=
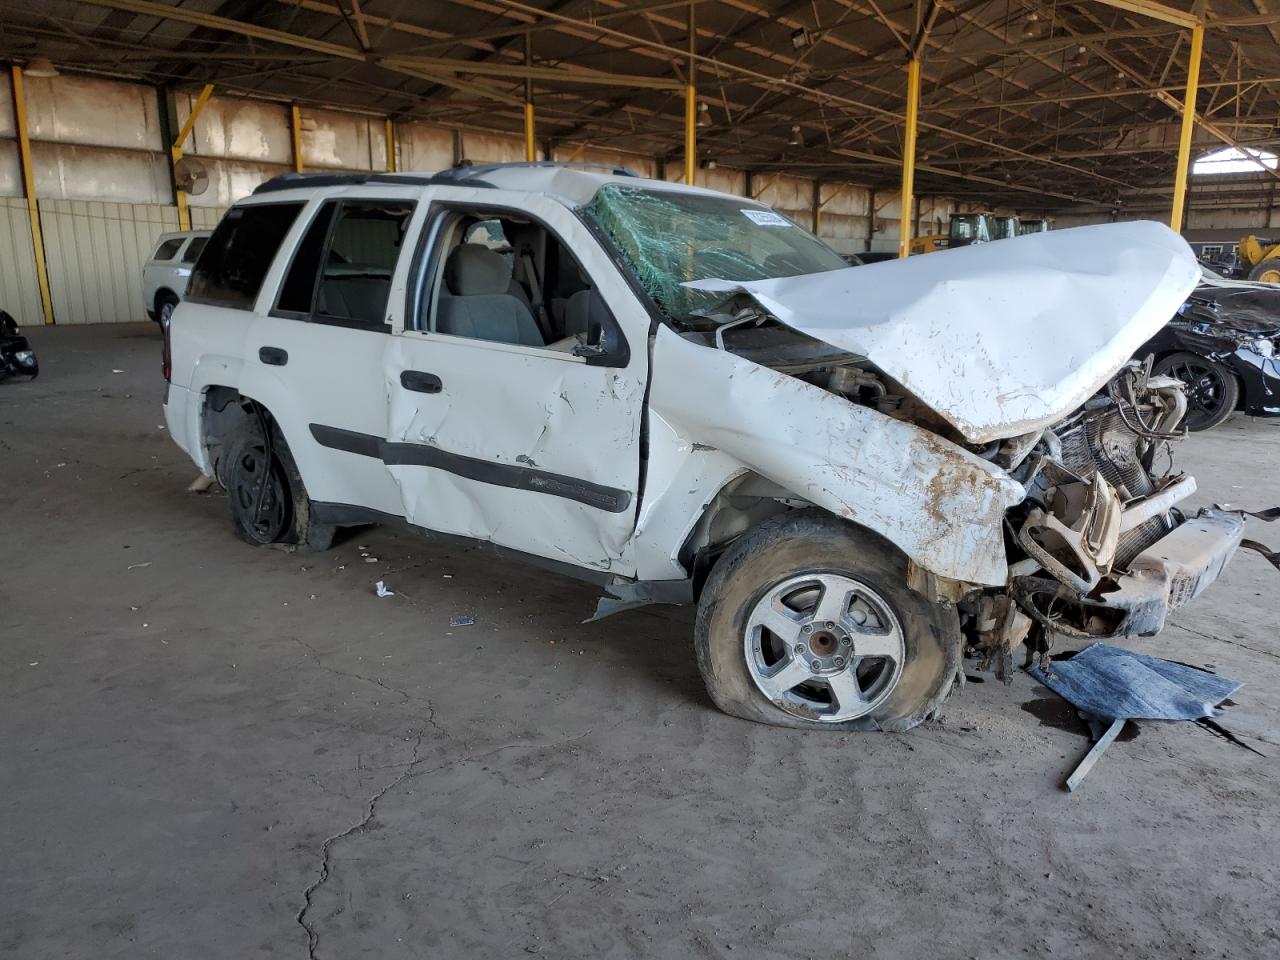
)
(824, 647)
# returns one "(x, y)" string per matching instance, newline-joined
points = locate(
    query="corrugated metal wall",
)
(103, 181)
(19, 288)
(95, 253)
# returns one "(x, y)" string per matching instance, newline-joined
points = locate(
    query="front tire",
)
(807, 621)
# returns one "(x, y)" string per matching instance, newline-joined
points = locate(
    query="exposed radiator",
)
(1103, 444)
(1134, 541)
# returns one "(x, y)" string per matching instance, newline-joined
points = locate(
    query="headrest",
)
(474, 270)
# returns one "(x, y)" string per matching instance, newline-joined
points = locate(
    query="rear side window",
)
(167, 249)
(192, 253)
(239, 254)
(341, 272)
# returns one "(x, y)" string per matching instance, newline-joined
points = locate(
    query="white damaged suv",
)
(856, 473)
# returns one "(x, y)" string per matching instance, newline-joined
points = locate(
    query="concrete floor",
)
(215, 751)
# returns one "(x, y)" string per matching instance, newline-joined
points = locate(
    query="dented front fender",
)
(941, 505)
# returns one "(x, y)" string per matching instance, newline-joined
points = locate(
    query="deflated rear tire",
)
(807, 621)
(268, 501)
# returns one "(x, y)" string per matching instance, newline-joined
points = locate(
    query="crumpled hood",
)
(998, 338)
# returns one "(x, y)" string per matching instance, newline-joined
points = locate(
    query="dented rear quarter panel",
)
(941, 505)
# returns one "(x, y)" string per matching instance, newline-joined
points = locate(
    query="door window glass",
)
(509, 279)
(364, 246)
(299, 287)
(192, 253)
(239, 254)
(167, 249)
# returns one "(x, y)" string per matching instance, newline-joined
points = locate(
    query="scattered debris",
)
(200, 484)
(117, 371)
(370, 559)
(1109, 686)
(380, 588)
(139, 566)
(462, 621)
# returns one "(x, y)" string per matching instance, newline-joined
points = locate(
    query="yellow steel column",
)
(1188, 127)
(909, 158)
(691, 111)
(175, 152)
(530, 145)
(391, 146)
(29, 191)
(295, 133)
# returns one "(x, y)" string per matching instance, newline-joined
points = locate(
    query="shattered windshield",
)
(667, 238)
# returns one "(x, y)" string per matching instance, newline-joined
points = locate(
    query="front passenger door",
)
(515, 439)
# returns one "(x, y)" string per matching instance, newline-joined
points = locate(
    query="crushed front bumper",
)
(1166, 575)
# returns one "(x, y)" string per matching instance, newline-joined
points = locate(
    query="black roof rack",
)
(470, 174)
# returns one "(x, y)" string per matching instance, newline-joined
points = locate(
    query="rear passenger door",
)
(319, 349)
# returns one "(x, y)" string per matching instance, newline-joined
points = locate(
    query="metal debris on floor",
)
(381, 589)
(1110, 686)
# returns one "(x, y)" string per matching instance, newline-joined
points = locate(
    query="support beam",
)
(530, 144)
(909, 157)
(391, 146)
(1188, 126)
(295, 136)
(175, 152)
(691, 108)
(1148, 8)
(29, 191)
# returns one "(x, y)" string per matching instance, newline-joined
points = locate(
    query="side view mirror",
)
(605, 346)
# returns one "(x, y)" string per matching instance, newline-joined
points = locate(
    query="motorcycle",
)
(16, 356)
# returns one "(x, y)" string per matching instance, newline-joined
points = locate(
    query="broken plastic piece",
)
(462, 621)
(380, 588)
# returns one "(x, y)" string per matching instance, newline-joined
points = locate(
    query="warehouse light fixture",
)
(1080, 57)
(800, 38)
(796, 140)
(1031, 26)
(709, 165)
(40, 67)
(704, 115)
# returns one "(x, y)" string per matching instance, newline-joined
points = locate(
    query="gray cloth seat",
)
(577, 314)
(356, 297)
(477, 302)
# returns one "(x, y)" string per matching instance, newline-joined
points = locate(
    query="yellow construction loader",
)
(1259, 258)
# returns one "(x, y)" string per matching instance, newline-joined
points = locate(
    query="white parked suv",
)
(166, 274)
(680, 395)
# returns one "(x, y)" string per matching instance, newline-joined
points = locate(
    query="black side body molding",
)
(499, 474)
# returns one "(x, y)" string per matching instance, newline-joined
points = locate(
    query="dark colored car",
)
(16, 355)
(1223, 345)
(871, 256)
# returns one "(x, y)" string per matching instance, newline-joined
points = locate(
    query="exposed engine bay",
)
(1097, 548)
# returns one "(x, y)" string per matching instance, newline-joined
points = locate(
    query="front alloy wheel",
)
(807, 621)
(824, 647)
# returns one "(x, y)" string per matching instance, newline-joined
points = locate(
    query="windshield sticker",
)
(766, 218)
